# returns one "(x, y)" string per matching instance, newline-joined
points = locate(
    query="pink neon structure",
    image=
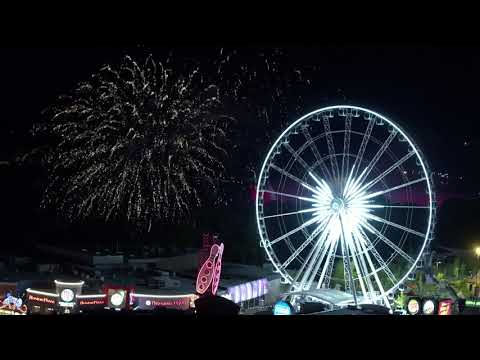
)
(210, 271)
(218, 270)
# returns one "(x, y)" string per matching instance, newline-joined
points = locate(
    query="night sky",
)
(431, 91)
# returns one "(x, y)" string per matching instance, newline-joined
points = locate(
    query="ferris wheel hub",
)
(337, 205)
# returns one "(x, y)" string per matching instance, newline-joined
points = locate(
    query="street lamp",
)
(477, 253)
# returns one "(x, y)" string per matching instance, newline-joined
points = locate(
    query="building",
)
(132, 283)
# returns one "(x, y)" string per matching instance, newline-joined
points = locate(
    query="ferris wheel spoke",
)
(331, 147)
(346, 144)
(363, 146)
(380, 152)
(318, 157)
(289, 195)
(291, 213)
(379, 219)
(316, 259)
(380, 260)
(319, 253)
(321, 240)
(369, 196)
(291, 232)
(387, 241)
(375, 276)
(351, 246)
(358, 245)
(294, 178)
(297, 157)
(347, 270)
(297, 252)
(372, 163)
(327, 270)
(385, 173)
(309, 275)
(375, 206)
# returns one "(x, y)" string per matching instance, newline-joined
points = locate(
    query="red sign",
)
(44, 300)
(92, 302)
(445, 307)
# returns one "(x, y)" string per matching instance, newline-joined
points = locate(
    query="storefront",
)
(67, 296)
(41, 302)
(62, 300)
(91, 302)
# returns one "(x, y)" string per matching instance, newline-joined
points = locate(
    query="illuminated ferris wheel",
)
(344, 200)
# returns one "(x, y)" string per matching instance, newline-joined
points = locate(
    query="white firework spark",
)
(138, 140)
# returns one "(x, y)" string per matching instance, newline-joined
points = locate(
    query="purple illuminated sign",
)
(247, 291)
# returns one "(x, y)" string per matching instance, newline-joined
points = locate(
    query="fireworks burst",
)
(138, 140)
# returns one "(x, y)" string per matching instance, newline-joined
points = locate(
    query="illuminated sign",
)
(91, 302)
(13, 305)
(67, 295)
(429, 307)
(171, 303)
(44, 300)
(217, 271)
(117, 298)
(209, 273)
(413, 306)
(247, 291)
(445, 307)
(282, 308)
(66, 304)
(144, 301)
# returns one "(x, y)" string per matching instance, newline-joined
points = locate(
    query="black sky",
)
(431, 90)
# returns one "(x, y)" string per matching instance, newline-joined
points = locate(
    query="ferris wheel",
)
(344, 200)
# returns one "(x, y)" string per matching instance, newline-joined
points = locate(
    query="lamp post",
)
(477, 254)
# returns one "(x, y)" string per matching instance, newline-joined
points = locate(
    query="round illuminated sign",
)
(413, 306)
(67, 295)
(116, 299)
(282, 308)
(428, 307)
(148, 303)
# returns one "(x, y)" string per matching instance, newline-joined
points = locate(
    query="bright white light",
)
(78, 283)
(67, 295)
(91, 296)
(161, 296)
(117, 299)
(37, 292)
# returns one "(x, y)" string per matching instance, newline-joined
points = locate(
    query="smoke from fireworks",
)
(136, 140)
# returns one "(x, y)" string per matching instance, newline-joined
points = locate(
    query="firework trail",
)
(136, 140)
(266, 90)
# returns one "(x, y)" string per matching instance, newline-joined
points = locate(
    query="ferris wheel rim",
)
(418, 155)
